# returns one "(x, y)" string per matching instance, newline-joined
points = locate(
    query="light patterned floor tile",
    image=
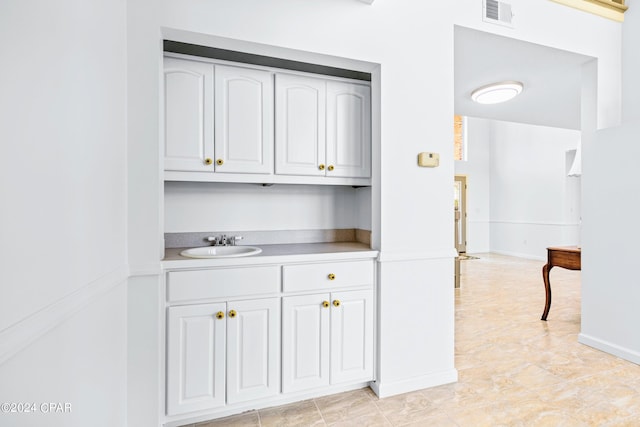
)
(514, 369)
(249, 419)
(296, 414)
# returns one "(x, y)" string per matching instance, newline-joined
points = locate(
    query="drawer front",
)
(222, 283)
(329, 275)
(569, 259)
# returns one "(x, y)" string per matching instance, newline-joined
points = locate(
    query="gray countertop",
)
(272, 254)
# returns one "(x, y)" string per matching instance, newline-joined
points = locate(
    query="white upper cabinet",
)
(348, 130)
(323, 127)
(188, 92)
(243, 120)
(227, 123)
(300, 125)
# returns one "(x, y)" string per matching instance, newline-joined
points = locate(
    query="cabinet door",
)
(348, 130)
(300, 125)
(305, 342)
(195, 358)
(188, 119)
(253, 355)
(243, 120)
(351, 336)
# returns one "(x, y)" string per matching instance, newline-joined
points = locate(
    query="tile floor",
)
(515, 370)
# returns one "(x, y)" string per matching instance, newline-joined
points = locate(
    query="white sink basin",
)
(221, 251)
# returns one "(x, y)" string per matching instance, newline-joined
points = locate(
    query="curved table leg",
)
(547, 288)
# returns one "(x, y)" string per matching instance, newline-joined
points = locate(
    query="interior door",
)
(460, 212)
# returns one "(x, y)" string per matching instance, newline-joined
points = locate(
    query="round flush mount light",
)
(497, 92)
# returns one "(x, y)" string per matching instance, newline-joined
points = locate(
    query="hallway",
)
(514, 369)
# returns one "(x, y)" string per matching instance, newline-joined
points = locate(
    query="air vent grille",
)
(492, 10)
(497, 12)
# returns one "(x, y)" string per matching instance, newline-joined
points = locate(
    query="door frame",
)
(461, 236)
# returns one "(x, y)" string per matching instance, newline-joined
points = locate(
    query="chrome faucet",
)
(224, 240)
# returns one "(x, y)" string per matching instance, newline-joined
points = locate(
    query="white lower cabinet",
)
(242, 336)
(222, 353)
(196, 350)
(327, 339)
(253, 350)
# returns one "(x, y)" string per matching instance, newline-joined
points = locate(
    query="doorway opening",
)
(460, 213)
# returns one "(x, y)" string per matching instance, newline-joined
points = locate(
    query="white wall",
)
(610, 291)
(63, 107)
(630, 66)
(201, 207)
(477, 169)
(63, 220)
(534, 204)
(546, 23)
(413, 43)
(520, 199)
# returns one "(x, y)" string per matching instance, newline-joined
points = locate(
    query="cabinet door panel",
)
(352, 336)
(348, 130)
(300, 125)
(253, 340)
(188, 115)
(244, 120)
(305, 342)
(195, 358)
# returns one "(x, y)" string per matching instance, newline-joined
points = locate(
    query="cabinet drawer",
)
(327, 275)
(222, 283)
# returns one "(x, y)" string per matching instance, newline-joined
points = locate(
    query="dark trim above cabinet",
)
(266, 61)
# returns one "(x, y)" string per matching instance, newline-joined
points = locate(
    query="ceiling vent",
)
(497, 12)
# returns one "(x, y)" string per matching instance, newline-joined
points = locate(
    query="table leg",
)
(547, 288)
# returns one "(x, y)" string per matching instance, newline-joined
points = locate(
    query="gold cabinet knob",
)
(331, 167)
(336, 303)
(321, 166)
(325, 304)
(219, 162)
(208, 161)
(232, 313)
(220, 315)
(332, 276)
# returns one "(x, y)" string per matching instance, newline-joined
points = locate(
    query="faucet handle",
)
(234, 239)
(213, 239)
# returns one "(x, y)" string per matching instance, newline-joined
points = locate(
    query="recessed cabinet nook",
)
(233, 123)
(292, 322)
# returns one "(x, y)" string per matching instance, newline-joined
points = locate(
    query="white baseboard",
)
(607, 347)
(24, 332)
(519, 255)
(388, 389)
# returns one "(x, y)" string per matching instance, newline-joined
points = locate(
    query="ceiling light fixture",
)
(497, 92)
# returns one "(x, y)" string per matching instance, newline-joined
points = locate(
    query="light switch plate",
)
(429, 160)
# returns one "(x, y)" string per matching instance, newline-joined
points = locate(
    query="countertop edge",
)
(274, 254)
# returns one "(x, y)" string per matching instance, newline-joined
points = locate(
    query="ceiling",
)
(551, 78)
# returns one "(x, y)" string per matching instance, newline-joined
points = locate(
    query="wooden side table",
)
(558, 256)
